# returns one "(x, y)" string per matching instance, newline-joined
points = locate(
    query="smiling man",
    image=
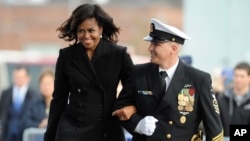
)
(170, 96)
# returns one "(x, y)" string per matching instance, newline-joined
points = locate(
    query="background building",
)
(28, 29)
(219, 30)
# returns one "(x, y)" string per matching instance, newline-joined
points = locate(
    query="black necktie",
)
(163, 75)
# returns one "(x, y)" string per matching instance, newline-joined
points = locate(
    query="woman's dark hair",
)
(68, 30)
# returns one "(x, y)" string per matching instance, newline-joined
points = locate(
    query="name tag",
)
(145, 92)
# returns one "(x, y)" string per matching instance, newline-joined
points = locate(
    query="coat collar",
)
(153, 80)
(88, 67)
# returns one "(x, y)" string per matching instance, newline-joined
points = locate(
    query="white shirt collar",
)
(171, 70)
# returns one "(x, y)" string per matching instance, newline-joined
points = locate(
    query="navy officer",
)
(171, 98)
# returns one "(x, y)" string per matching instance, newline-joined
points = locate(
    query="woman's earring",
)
(101, 36)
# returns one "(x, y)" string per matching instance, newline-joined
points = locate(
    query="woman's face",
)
(47, 85)
(88, 33)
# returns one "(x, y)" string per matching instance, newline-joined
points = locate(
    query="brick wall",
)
(21, 26)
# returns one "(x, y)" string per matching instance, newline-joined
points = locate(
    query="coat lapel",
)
(101, 54)
(177, 83)
(85, 66)
(154, 81)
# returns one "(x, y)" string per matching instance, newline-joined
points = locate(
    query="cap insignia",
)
(152, 27)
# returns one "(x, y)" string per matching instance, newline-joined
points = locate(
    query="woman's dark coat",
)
(85, 92)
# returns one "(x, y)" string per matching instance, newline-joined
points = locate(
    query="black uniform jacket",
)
(188, 101)
(85, 92)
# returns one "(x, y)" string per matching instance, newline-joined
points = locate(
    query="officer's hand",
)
(146, 126)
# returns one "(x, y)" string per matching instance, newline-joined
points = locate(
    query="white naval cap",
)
(160, 32)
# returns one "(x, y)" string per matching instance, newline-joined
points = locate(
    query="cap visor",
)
(148, 38)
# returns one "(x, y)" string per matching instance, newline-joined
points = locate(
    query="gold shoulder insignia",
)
(219, 137)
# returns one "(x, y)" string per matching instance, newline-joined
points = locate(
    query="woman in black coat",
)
(86, 79)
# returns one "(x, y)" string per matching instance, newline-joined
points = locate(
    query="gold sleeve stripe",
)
(219, 137)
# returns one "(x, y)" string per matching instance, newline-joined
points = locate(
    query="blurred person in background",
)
(171, 97)
(235, 102)
(218, 82)
(187, 59)
(87, 74)
(14, 103)
(38, 111)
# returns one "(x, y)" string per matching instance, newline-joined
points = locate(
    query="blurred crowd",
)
(22, 106)
(231, 87)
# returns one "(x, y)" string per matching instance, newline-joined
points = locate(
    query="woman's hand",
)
(125, 113)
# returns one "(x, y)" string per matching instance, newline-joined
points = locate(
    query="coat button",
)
(79, 90)
(170, 122)
(168, 136)
(101, 106)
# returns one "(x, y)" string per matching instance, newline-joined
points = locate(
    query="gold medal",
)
(189, 108)
(182, 103)
(180, 97)
(192, 99)
(186, 99)
(183, 119)
(180, 108)
(189, 104)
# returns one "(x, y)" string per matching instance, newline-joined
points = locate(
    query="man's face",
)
(241, 79)
(20, 77)
(160, 52)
